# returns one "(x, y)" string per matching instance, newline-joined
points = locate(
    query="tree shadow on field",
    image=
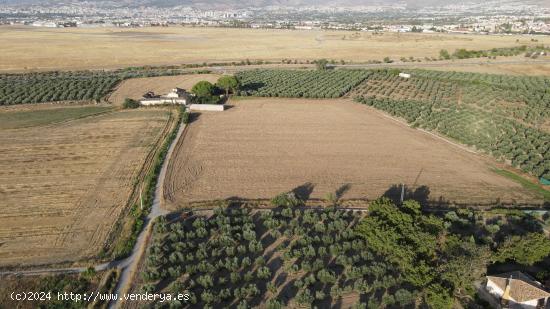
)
(235, 201)
(420, 194)
(281, 278)
(194, 117)
(252, 86)
(174, 216)
(342, 190)
(288, 291)
(304, 191)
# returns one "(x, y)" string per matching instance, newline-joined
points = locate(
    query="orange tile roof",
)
(522, 288)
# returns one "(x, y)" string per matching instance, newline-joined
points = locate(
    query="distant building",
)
(405, 75)
(176, 96)
(517, 290)
(47, 24)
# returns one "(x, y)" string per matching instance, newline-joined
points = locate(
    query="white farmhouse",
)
(404, 75)
(181, 97)
(176, 96)
(517, 290)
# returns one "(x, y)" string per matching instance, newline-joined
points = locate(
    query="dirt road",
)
(129, 265)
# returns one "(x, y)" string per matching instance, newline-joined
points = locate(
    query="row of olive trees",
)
(469, 108)
(295, 83)
(68, 86)
(245, 258)
(224, 261)
(524, 147)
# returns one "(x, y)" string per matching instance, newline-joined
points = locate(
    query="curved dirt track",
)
(129, 265)
(262, 147)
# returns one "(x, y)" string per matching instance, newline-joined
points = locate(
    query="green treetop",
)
(228, 83)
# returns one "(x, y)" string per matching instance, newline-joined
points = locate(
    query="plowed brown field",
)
(63, 186)
(262, 147)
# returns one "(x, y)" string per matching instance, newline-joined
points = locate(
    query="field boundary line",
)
(134, 195)
(485, 156)
(129, 265)
(403, 123)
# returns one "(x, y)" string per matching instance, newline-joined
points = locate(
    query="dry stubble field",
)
(63, 186)
(33, 48)
(262, 147)
(134, 88)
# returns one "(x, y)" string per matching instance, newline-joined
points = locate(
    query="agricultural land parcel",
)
(64, 184)
(492, 67)
(505, 116)
(271, 145)
(329, 257)
(67, 87)
(24, 116)
(115, 48)
(135, 88)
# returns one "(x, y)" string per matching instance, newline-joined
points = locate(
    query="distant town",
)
(492, 17)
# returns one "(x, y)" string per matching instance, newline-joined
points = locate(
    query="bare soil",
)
(262, 147)
(135, 88)
(62, 187)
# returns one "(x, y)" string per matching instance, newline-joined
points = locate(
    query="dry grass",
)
(262, 147)
(63, 186)
(136, 87)
(46, 49)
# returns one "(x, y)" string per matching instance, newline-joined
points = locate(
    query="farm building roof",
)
(522, 288)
